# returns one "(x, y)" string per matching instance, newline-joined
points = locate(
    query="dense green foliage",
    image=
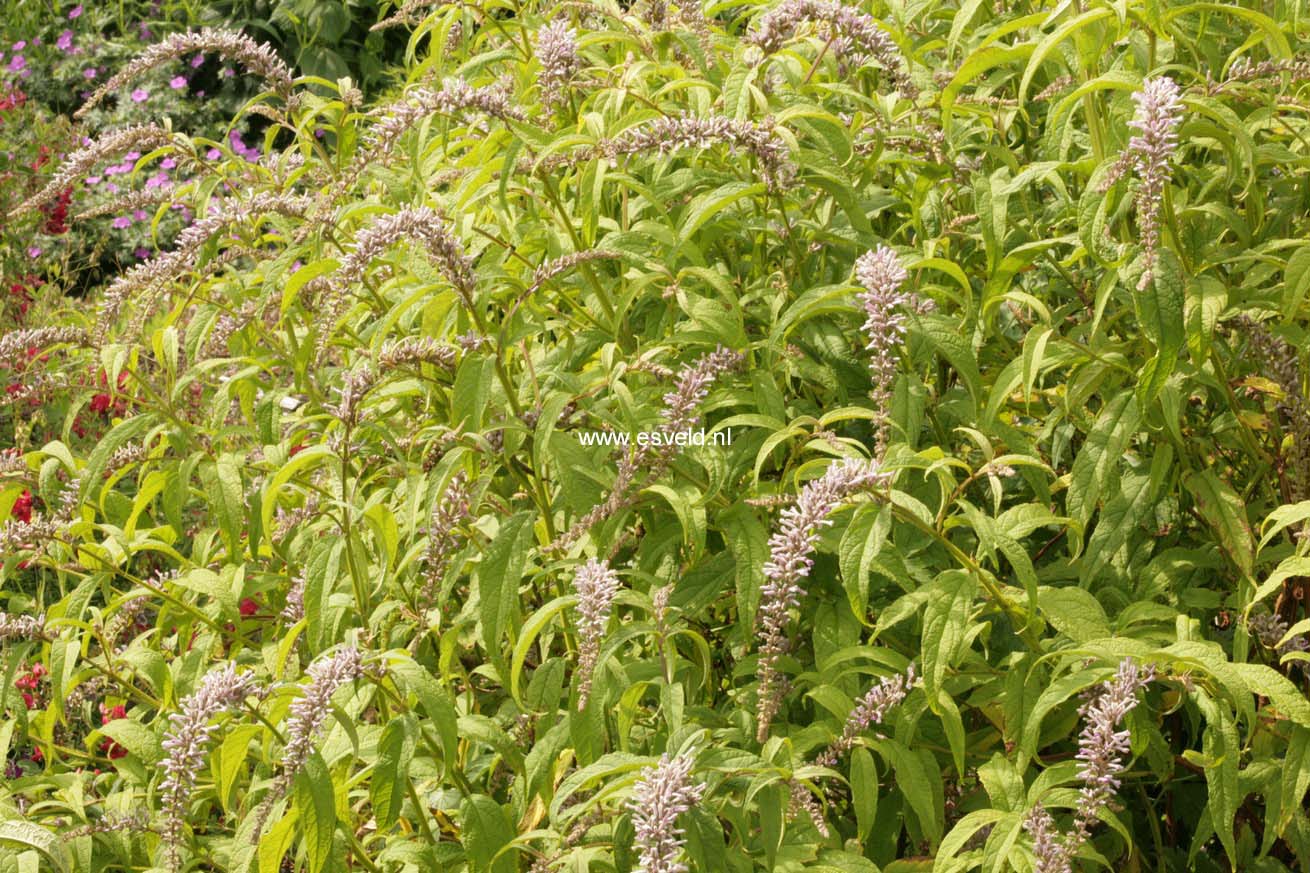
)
(312, 511)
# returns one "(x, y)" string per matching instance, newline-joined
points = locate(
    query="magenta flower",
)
(213, 154)
(89, 73)
(19, 46)
(168, 163)
(111, 187)
(75, 12)
(17, 63)
(142, 254)
(177, 83)
(140, 95)
(139, 215)
(122, 222)
(197, 61)
(34, 252)
(92, 181)
(65, 41)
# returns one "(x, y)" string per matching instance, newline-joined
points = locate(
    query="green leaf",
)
(275, 843)
(944, 620)
(435, 700)
(706, 206)
(485, 831)
(1274, 37)
(499, 574)
(125, 431)
(222, 482)
(532, 628)
(1220, 745)
(1296, 282)
(25, 833)
(1220, 506)
(1101, 454)
(296, 463)
(771, 801)
(1282, 518)
(136, 738)
(317, 809)
(919, 780)
(1207, 297)
(471, 395)
(864, 790)
(1122, 515)
(391, 772)
(1286, 698)
(860, 544)
(1074, 612)
(229, 758)
(1048, 44)
(944, 337)
(971, 70)
(1160, 308)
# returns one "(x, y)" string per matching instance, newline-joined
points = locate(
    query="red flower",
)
(23, 507)
(37, 755)
(249, 607)
(57, 213)
(104, 402)
(108, 714)
(27, 684)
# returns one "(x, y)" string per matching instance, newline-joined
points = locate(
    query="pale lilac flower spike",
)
(1159, 111)
(870, 710)
(595, 584)
(658, 798)
(881, 273)
(187, 742)
(789, 564)
(1101, 749)
(557, 49)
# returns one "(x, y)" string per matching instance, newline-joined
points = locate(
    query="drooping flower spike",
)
(789, 564)
(1102, 747)
(187, 742)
